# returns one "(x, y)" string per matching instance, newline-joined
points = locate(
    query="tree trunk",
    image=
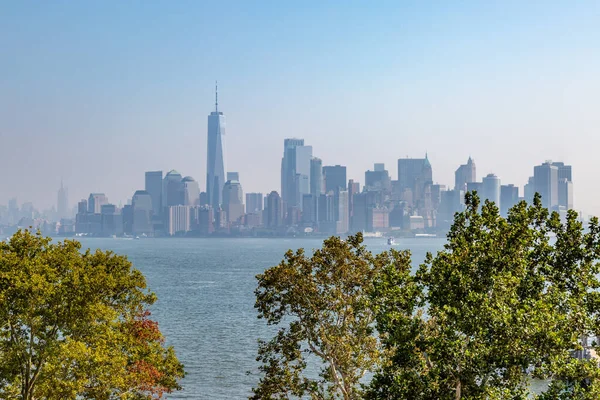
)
(458, 389)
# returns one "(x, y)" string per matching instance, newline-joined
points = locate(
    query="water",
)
(205, 307)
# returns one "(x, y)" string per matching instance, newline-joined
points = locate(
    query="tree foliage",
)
(507, 299)
(76, 325)
(321, 305)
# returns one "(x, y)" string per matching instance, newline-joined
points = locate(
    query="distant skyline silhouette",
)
(98, 93)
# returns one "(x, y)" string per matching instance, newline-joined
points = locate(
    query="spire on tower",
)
(216, 97)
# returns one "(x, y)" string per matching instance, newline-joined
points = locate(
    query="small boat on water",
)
(391, 241)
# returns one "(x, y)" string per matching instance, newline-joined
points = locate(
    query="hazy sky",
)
(100, 91)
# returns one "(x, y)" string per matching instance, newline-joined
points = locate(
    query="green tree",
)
(507, 299)
(321, 304)
(76, 325)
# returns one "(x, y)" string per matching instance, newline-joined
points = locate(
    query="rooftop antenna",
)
(216, 97)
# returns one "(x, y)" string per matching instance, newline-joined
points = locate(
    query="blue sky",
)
(99, 92)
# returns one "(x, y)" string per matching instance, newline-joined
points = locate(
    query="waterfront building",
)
(233, 198)
(191, 191)
(274, 210)
(254, 203)
(414, 174)
(342, 214)
(142, 213)
(316, 176)
(153, 184)
(172, 189)
(112, 220)
(95, 202)
(178, 220)
(295, 172)
(378, 179)
(335, 178)
(215, 161)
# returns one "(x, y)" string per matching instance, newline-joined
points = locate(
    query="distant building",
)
(295, 172)
(310, 209)
(172, 189)
(490, 189)
(414, 174)
(62, 204)
(191, 191)
(178, 220)
(254, 203)
(546, 183)
(509, 197)
(466, 173)
(378, 179)
(342, 215)
(529, 190)
(95, 202)
(565, 193)
(233, 198)
(154, 187)
(204, 219)
(142, 213)
(215, 162)
(112, 220)
(274, 210)
(316, 176)
(335, 178)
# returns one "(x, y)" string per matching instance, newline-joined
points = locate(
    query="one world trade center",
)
(215, 168)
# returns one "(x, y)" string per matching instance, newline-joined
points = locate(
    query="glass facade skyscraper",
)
(215, 162)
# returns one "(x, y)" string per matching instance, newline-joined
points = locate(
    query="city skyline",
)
(360, 88)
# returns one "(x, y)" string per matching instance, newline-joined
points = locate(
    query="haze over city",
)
(96, 94)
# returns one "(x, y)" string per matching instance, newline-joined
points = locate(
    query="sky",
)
(97, 92)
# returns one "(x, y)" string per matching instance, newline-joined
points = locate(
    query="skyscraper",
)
(335, 178)
(295, 172)
(413, 175)
(509, 197)
(191, 191)
(154, 186)
(62, 205)
(215, 164)
(95, 202)
(545, 178)
(466, 173)
(254, 203)
(172, 189)
(274, 210)
(233, 197)
(142, 213)
(316, 176)
(490, 189)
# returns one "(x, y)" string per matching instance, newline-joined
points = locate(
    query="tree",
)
(76, 325)
(321, 304)
(505, 301)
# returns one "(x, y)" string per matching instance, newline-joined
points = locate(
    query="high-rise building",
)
(565, 193)
(414, 174)
(191, 191)
(335, 178)
(509, 197)
(466, 173)
(215, 164)
(154, 186)
(546, 183)
(254, 203)
(342, 220)
(112, 220)
(95, 202)
(62, 204)
(378, 179)
(316, 176)
(172, 189)
(274, 210)
(490, 189)
(529, 190)
(142, 213)
(178, 220)
(233, 198)
(295, 172)
(310, 208)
